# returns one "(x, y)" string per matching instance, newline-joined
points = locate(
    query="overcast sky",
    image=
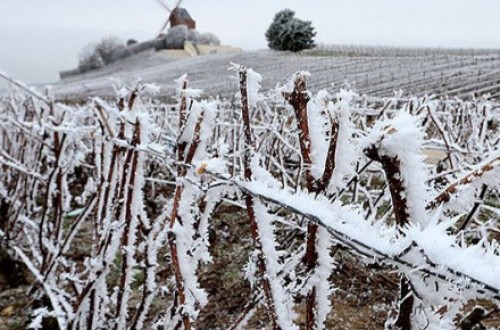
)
(40, 37)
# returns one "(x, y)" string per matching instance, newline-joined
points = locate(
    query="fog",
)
(40, 38)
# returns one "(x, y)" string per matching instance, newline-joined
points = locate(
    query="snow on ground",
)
(379, 74)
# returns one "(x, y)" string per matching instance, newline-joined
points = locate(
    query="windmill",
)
(176, 16)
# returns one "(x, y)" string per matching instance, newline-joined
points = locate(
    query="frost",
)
(401, 137)
(39, 314)
(253, 86)
(99, 174)
(282, 300)
(214, 165)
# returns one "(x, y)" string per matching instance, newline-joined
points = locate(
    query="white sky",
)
(40, 37)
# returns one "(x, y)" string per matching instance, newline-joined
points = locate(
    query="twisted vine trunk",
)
(298, 99)
(392, 169)
(249, 202)
(174, 217)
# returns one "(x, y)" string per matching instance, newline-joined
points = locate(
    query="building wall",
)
(209, 49)
(191, 50)
(175, 53)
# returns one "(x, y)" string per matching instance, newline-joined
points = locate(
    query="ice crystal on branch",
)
(94, 197)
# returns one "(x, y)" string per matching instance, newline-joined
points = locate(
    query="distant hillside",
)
(371, 70)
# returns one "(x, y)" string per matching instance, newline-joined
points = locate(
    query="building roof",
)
(181, 13)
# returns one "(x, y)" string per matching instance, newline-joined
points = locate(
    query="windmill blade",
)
(164, 26)
(163, 5)
(177, 4)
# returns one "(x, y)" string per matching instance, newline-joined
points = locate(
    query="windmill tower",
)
(177, 16)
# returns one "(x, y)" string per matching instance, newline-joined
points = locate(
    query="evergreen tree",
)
(287, 32)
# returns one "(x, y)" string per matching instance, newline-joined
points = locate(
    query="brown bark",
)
(406, 301)
(391, 166)
(299, 98)
(446, 194)
(330, 158)
(261, 265)
(174, 217)
(128, 216)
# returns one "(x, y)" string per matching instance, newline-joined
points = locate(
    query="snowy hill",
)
(374, 71)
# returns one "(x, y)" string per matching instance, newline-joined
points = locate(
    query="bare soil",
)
(363, 299)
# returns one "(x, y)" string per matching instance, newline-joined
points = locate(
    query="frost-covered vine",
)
(110, 204)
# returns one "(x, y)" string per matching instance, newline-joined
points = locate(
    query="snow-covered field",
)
(372, 71)
(135, 178)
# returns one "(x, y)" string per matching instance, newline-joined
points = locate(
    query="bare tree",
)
(96, 55)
